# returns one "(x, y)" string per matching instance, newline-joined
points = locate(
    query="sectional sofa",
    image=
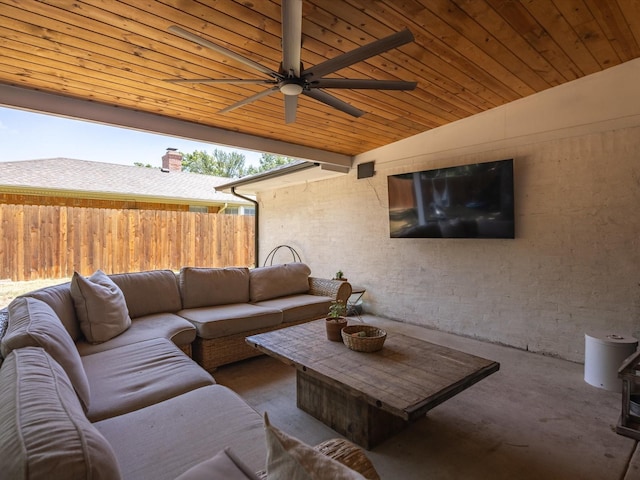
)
(96, 380)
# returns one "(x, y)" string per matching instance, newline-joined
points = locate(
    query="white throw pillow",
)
(290, 459)
(100, 307)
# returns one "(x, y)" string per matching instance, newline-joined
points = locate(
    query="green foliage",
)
(220, 164)
(337, 309)
(140, 164)
(269, 161)
(230, 165)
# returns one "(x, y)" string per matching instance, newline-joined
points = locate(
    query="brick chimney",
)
(172, 160)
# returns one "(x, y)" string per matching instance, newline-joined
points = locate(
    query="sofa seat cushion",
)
(159, 325)
(204, 287)
(278, 281)
(135, 376)
(299, 307)
(43, 430)
(224, 320)
(33, 323)
(146, 293)
(225, 465)
(164, 440)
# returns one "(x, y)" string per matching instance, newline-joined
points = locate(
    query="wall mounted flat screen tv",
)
(468, 201)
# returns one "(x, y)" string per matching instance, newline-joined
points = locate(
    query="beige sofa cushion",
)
(299, 307)
(33, 323)
(100, 306)
(135, 376)
(278, 281)
(158, 325)
(146, 293)
(223, 320)
(43, 430)
(139, 437)
(203, 287)
(222, 466)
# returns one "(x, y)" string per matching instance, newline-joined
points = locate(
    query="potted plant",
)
(340, 276)
(336, 320)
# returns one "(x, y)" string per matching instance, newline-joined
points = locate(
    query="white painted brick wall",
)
(573, 268)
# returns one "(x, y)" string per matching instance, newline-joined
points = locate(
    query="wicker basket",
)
(373, 341)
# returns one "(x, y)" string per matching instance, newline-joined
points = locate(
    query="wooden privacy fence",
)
(40, 241)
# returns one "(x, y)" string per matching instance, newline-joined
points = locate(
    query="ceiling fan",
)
(292, 79)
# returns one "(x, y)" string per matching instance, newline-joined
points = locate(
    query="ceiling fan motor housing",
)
(291, 86)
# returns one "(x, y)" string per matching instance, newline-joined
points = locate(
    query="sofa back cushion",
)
(32, 323)
(100, 307)
(278, 281)
(205, 287)
(146, 293)
(58, 297)
(43, 430)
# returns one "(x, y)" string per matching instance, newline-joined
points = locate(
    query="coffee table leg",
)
(357, 420)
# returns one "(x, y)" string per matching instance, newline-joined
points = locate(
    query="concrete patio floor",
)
(534, 419)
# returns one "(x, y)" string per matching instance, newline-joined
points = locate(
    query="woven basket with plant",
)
(363, 338)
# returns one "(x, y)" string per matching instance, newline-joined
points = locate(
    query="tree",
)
(231, 165)
(140, 164)
(220, 164)
(269, 161)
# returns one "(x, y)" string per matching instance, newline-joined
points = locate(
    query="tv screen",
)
(468, 201)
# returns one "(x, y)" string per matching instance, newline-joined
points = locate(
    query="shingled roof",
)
(109, 180)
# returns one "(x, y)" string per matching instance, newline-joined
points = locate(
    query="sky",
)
(29, 136)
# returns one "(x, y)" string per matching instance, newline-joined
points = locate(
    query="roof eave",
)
(277, 173)
(25, 190)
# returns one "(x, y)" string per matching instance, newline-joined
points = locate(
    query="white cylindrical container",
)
(603, 355)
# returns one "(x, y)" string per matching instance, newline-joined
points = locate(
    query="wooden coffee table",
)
(368, 397)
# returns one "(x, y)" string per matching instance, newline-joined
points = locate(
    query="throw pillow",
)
(33, 323)
(4, 317)
(225, 465)
(290, 459)
(100, 307)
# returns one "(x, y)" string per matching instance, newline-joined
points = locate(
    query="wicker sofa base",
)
(186, 349)
(211, 353)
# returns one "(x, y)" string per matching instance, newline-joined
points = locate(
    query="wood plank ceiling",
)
(468, 56)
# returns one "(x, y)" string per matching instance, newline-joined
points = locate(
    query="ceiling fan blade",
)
(358, 84)
(233, 81)
(250, 99)
(333, 102)
(361, 53)
(291, 36)
(290, 107)
(217, 48)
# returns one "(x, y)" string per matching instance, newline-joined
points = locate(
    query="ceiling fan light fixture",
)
(292, 88)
